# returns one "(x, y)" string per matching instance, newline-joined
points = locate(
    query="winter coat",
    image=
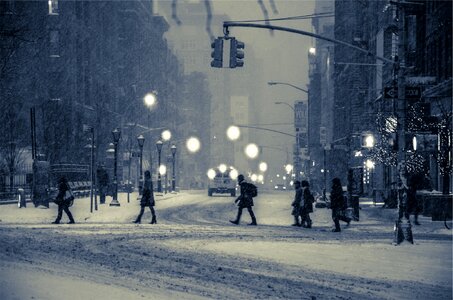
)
(147, 194)
(62, 188)
(296, 204)
(244, 199)
(307, 201)
(337, 200)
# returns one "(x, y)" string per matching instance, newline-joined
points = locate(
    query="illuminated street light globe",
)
(260, 178)
(369, 164)
(150, 99)
(166, 135)
(222, 168)
(233, 132)
(369, 141)
(254, 177)
(234, 174)
(263, 166)
(211, 174)
(251, 150)
(193, 144)
(288, 168)
(162, 169)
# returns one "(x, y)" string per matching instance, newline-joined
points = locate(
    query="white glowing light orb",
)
(234, 174)
(369, 141)
(211, 174)
(193, 144)
(288, 168)
(263, 166)
(162, 169)
(369, 164)
(254, 177)
(233, 133)
(166, 135)
(251, 150)
(150, 99)
(260, 178)
(222, 168)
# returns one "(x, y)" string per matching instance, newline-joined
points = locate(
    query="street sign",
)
(412, 92)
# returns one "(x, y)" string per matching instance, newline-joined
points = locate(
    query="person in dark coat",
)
(63, 205)
(103, 183)
(306, 205)
(296, 203)
(245, 201)
(147, 199)
(338, 204)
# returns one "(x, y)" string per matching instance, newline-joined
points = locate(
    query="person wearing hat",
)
(296, 203)
(245, 201)
(63, 205)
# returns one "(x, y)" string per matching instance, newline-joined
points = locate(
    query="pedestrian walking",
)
(306, 205)
(296, 203)
(338, 204)
(103, 183)
(245, 200)
(63, 201)
(147, 199)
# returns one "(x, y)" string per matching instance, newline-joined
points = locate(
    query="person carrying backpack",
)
(245, 200)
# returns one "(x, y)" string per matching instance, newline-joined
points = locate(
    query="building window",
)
(53, 7)
(54, 40)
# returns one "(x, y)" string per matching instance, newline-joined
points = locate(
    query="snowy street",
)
(194, 252)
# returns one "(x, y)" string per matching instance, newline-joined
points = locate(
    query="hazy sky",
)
(283, 54)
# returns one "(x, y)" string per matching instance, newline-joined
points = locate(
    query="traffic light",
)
(217, 53)
(236, 54)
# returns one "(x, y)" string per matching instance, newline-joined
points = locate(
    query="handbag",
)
(68, 196)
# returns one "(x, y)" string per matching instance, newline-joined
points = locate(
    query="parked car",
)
(280, 187)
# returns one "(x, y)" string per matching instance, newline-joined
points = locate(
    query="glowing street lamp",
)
(369, 164)
(254, 177)
(252, 151)
(159, 179)
(368, 141)
(166, 135)
(233, 133)
(263, 166)
(260, 178)
(162, 169)
(150, 99)
(193, 144)
(141, 142)
(288, 168)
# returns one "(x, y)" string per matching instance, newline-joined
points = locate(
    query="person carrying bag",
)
(64, 200)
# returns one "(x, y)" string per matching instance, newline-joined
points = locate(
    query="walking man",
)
(296, 204)
(307, 206)
(245, 200)
(147, 199)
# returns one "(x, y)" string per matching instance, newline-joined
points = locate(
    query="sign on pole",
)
(412, 92)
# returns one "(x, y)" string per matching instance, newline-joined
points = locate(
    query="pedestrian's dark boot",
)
(296, 221)
(153, 220)
(56, 222)
(137, 221)
(238, 218)
(71, 222)
(337, 226)
(309, 224)
(252, 215)
(416, 220)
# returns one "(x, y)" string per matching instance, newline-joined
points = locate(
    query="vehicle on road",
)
(222, 183)
(280, 187)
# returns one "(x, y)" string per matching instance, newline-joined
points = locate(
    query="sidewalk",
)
(81, 211)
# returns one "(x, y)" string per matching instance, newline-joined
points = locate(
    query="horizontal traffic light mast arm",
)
(266, 129)
(227, 24)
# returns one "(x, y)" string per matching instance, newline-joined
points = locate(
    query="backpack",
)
(252, 190)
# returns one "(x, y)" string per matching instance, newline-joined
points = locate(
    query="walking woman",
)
(63, 205)
(147, 199)
(337, 204)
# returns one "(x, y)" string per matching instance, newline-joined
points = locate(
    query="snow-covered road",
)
(194, 252)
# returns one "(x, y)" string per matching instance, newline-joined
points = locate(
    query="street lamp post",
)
(116, 138)
(159, 144)
(288, 84)
(173, 180)
(141, 142)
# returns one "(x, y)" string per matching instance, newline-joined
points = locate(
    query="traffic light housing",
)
(236, 54)
(217, 53)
